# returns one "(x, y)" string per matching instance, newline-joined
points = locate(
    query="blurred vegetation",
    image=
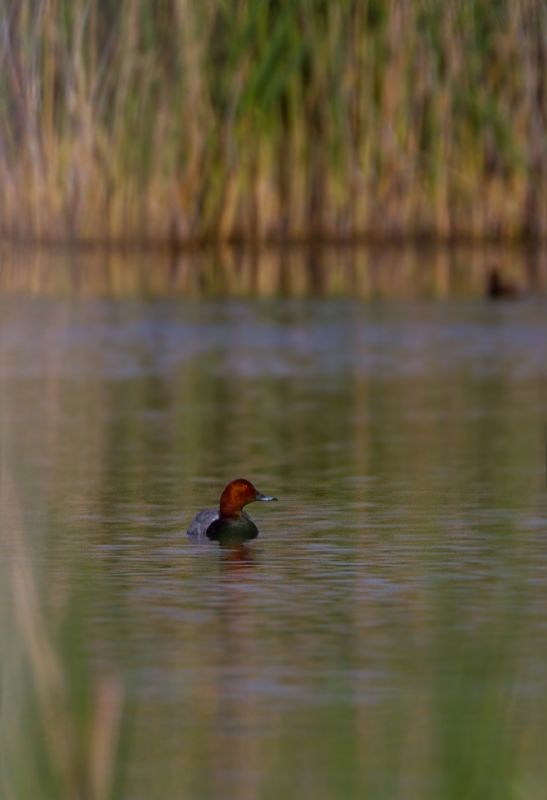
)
(60, 720)
(167, 120)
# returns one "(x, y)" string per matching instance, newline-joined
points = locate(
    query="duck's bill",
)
(266, 498)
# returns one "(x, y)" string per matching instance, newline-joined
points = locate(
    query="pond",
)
(386, 634)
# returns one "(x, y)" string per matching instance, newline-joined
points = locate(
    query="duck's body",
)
(200, 523)
(499, 288)
(229, 530)
(228, 524)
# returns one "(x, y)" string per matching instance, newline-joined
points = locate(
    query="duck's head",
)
(237, 494)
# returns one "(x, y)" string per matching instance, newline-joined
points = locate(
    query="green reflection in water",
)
(383, 638)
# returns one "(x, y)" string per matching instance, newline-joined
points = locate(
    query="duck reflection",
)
(237, 558)
(237, 711)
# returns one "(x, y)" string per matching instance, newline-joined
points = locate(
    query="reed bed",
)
(173, 121)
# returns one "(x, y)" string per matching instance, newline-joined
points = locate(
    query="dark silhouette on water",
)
(229, 524)
(498, 288)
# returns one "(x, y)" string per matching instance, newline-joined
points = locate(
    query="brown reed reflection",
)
(364, 272)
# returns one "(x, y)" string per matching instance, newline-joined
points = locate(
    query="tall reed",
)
(174, 121)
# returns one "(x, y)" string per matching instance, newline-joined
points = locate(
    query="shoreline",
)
(204, 244)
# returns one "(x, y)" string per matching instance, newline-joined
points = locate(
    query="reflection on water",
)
(384, 636)
(366, 272)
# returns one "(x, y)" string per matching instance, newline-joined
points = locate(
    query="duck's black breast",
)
(232, 530)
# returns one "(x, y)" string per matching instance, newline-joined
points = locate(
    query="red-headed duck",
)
(229, 523)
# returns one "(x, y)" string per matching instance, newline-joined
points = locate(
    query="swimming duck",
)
(229, 524)
(497, 287)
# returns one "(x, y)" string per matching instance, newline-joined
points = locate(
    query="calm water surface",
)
(385, 637)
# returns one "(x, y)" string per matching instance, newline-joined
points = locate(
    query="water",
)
(386, 635)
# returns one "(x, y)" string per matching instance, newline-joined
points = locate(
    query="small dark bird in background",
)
(498, 288)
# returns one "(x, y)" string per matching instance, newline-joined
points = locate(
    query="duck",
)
(497, 287)
(229, 524)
